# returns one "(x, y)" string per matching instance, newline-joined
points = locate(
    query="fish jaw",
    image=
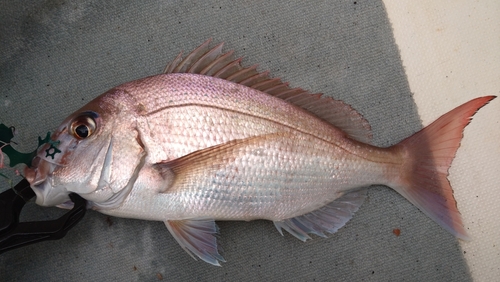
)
(48, 195)
(42, 184)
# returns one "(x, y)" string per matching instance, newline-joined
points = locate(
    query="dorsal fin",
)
(212, 62)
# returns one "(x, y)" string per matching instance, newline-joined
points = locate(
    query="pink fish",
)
(210, 140)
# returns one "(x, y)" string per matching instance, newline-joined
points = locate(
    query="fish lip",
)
(41, 182)
(48, 195)
(40, 171)
(30, 175)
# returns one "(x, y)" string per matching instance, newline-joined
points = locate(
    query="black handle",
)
(14, 234)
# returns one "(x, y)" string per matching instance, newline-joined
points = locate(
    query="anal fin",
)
(329, 218)
(197, 238)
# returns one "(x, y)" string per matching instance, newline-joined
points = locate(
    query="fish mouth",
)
(41, 181)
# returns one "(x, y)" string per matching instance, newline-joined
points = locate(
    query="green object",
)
(15, 157)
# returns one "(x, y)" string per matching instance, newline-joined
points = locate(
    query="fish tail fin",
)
(427, 157)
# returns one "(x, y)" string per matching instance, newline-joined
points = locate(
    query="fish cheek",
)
(124, 159)
(81, 172)
(104, 177)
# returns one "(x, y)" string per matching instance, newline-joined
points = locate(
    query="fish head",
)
(96, 152)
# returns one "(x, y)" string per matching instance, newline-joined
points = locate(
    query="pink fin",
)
(197, 238)
(171, 66)
(326, 219)
(212, 62)
(428, 154)
(211, 156)
(191, 59)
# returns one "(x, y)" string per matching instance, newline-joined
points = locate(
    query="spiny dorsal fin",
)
(212, 62)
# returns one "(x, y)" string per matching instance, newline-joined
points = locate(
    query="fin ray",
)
(171, 66)
(428, 155)
(197, 238)
(326, 219)
(217, 64)
(206, 59)
(192, 57)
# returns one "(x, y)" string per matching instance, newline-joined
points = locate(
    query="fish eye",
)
(84, 125)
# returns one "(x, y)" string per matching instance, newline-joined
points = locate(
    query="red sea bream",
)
(210, 140)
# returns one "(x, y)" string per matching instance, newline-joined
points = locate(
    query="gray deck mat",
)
(57, 55)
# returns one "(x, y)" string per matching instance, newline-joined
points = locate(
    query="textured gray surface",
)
(55, 56)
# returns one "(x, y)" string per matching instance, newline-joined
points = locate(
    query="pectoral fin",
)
(197, 238)
(326, 219)
(211, 157)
